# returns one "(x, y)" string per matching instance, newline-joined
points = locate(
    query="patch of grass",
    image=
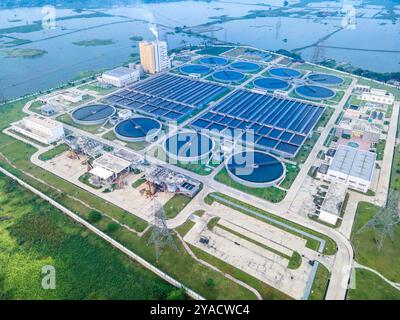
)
(380, 149)
(184, 228)
(305, 150)
(139, 182)
(85, 179)
(385, 261)
(395, 179)
(291, 173)
(52, 153)
(295, 261)
(137, 146)
(271, 194)
(320, 283)
(212, 223)
(66, 118)
(369, 286)
(97, 89)
(176, 205)
(86, 266)
(330, 246)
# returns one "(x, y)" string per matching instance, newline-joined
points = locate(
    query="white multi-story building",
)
(39, 128)
(120, 77)
(353, 167)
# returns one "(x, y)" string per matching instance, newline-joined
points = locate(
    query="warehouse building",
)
(353, 167)
(39, 128)
(121, 76)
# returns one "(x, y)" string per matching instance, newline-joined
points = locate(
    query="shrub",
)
(94, 216)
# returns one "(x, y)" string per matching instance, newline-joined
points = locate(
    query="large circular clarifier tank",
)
(228, 76)
(315, 92)
(214, 61)
(196, 69)
(255, 169)
(92, 114)
(325, 79)
(188, 146)
(270, 83)
(285, 73)
(244, 66)
(137, 129)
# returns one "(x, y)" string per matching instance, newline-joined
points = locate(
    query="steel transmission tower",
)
(385, 220)
(160, 236)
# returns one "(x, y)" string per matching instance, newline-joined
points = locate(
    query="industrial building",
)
(359, 128)
(378, 96)
(333, 202)
(154, 56)
(71, 97)
(39, 128)
(171, 181)
(108, 167)
(353, 167)
(120, 77)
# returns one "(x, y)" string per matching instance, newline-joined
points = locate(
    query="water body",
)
(299, 25)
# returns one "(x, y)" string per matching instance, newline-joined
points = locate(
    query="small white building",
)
(124, 114)
(39, 128)
(108, 167)
(353, 167)
(333, 202)
(378, 96)
(71, 97)
(121, 76)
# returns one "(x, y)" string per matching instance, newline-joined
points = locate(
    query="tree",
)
(177, 294)
(94, 216)
(210, 283)
(112, 226)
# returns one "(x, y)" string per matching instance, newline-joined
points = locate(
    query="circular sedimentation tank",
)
(93, 114)
(196, 69)
(137, 129)
(285, 73)
(325, 79)
(314, 92)
(244, 66)
(255, 169)
(228, 76)
(270, 83)
(188, 146)
(214, 61)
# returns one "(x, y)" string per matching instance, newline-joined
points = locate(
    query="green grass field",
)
(369, 286)
(176, 205)
(35, 234)
(320, 283)
(388, 259)
(52, 153)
